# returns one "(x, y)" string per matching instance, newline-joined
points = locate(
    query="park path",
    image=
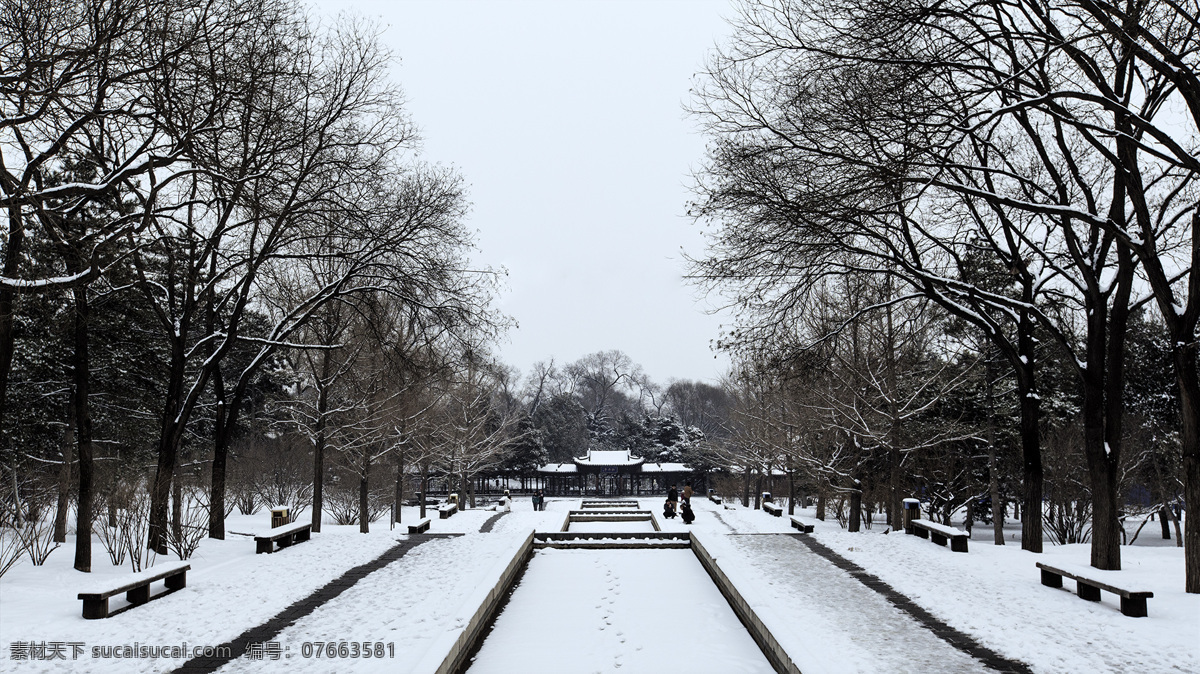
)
(270, 629)
(833, 616)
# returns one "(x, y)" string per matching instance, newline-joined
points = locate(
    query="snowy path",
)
(612, 527)
(609, 610)
(419, 603)
(825, 619)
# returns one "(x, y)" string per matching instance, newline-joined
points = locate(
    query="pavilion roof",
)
(666, 467)
(620, 457)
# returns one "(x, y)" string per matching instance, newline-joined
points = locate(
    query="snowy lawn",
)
(612, 527)
(419, 604)
(617, 610)
(994, 593)
(229, 590)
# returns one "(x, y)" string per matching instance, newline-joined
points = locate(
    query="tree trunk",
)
(993, 469)
(1184, 357)
(399, 487)
(83, 429)
(1102, 411)
(424, 489)
(170, 435)
(177, 508)
(319, 452)
(791, 492)
(221, 432)
(1164, 517)
(855, 508)
(363, 505)
(1031, 439)
(821, 505)
(64, 477)
(12, 260)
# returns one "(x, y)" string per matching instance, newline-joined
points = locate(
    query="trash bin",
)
(766, 497)
(279, 516)
(912, 511)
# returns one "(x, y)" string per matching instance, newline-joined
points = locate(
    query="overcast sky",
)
(566, 120)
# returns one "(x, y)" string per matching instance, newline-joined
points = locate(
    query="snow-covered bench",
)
(446, 510)
(135, 587)
(772, 509)
(296, 532)
(803, 527)
(420, 527)
(714, 498)
(1088, 586)
(940, 533)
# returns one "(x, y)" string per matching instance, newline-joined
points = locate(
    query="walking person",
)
(541, 499)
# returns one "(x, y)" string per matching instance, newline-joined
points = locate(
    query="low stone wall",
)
(456, 659)
(762, 636)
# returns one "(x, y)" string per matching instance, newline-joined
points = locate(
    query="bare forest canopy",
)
(958, 240)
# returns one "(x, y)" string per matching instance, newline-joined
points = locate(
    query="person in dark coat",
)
(541, 499)
(669, 509)
(672, 494)
(685, 511)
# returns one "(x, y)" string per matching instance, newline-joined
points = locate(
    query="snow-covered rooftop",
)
(557, 468)
(620, 457)
(666, 467)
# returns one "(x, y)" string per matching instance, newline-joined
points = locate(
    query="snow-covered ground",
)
(617, 610)
(420, 602)
(612, 527)
(992, 594)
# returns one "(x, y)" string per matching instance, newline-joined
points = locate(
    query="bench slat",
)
(157, 572)
(804, 528)
(1080, 576)
(285, 530)
(942, 529)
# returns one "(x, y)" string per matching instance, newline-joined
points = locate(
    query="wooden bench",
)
(420, 527)
(772, 509)
(804, 528)
(135, 587)
(296, 532)
(714, 498)
(446, 510)
(1088, 586)
(940, 533)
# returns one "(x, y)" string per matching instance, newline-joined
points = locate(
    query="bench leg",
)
(264, 546)
(937, 538)
(958, 544)
(139, 595)
(1051, 579)
(177, 582)
(95, 608)
(285, 541)
(302, 535)
(1088, 592)
(921, 533)
(1134, 607)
